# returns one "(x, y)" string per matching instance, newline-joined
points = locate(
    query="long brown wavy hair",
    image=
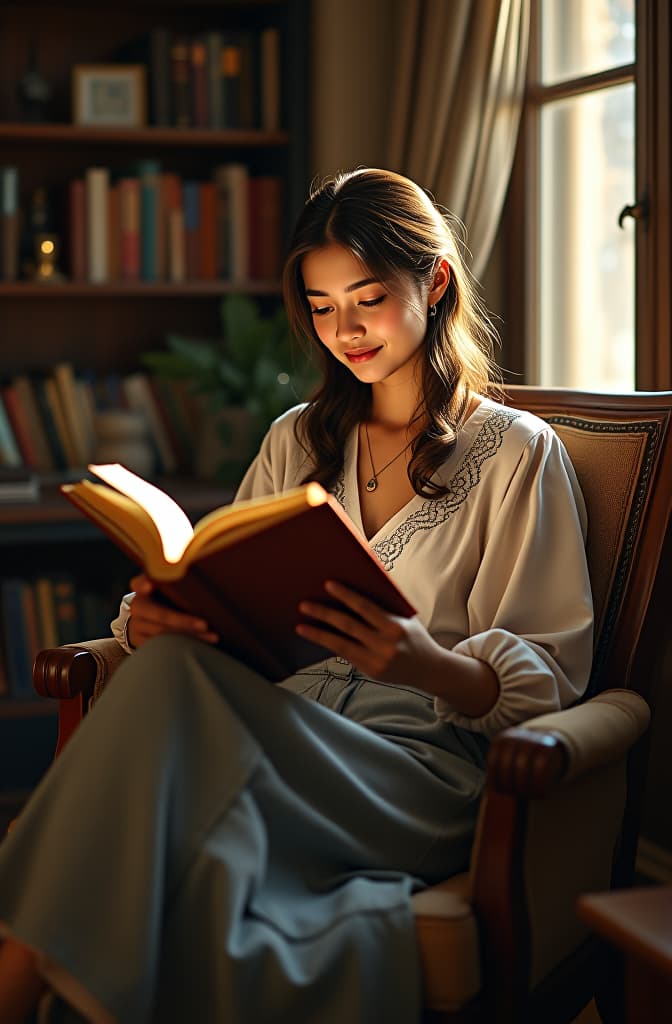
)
(393, 227)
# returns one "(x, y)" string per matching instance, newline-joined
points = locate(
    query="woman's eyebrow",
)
(349, 288)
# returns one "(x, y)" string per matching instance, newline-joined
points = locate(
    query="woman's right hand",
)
(150, 617)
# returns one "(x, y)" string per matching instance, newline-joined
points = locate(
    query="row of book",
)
(153, 225)
(44, 611)
(219, 79)
(55, 424)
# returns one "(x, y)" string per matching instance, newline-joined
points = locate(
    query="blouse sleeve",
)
(530, 608)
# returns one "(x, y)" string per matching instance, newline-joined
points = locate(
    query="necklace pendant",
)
(371, 484)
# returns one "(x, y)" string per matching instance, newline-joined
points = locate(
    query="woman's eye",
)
(372, 302)
(319, 310)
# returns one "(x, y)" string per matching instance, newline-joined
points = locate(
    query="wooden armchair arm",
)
(549, 825)
(75, 675)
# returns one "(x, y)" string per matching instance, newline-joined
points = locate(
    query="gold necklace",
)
(373, 482)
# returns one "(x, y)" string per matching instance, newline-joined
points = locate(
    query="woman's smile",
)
(362, 355)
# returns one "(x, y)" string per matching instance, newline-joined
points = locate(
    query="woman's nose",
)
(349, 326)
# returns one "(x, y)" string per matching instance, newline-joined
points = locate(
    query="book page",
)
(171, 522)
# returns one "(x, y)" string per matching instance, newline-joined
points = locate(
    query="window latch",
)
(638, 211)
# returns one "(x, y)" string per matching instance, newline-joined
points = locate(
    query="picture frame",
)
(109, 95)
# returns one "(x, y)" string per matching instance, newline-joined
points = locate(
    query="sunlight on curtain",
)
(587, 176)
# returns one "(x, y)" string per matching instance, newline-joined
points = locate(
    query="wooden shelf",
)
(77, 135)
(195, 497)
(12, 708)
(135, 289)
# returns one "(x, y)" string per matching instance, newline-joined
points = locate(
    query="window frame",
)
(519, 236)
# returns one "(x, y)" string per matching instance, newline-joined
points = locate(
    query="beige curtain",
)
(456, 102)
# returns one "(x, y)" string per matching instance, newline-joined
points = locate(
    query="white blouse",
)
(496, 568)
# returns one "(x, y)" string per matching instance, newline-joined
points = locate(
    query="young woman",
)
(212, 847)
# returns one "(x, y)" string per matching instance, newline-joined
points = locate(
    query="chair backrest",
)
(621, 448)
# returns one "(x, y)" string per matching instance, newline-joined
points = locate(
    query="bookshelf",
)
(105, 326)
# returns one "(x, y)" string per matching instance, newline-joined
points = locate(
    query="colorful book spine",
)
(265, 217)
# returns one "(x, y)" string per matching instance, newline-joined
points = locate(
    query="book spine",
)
(65, 609)
(46, 613)
(16, 639)
(9, 223)
(192, 228)
(265, 218)
(10, 453)
(113, 234)
(149, 219)
(73, 414)
(213, 44)
(200, 113)
(58, 416)
(159, 76)
(207, 213)
(54, 438)
(129, 229)
(270, 79)
(180, 80)
(175, 228)
(77, 229)
(230, 75)
(25, 391)
(235, 178)
(140, 398)
(97, 183)
(20, 425)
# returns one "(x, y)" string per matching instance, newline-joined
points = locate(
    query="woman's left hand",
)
(382, 646)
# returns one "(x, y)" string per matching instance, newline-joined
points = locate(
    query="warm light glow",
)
(172, 523)
(47, 247)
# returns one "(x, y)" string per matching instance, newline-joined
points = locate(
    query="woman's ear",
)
(440, 282)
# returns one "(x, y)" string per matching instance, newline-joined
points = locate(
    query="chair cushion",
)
(448, 941)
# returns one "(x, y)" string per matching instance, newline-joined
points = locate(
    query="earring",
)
(432, 310)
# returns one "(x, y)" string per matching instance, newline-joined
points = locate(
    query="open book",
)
(243, 567)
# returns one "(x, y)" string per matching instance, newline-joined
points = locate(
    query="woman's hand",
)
(399, 651)
(150, 617)
(382, 646)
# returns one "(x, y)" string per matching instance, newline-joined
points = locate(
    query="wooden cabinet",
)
(104, 326)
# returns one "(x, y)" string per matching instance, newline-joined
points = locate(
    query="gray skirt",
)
(213, 848)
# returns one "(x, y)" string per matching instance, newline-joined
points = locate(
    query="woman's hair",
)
(399, 234)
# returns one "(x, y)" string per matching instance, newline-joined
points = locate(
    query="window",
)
(591, 296)
(585, 100)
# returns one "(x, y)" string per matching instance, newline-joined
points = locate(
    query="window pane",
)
(581, 37)
(587, 262)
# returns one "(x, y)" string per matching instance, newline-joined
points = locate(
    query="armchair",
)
(560, 812)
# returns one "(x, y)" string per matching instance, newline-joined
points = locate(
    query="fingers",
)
(149, 618)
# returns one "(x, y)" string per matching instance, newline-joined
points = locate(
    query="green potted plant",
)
(245, 378)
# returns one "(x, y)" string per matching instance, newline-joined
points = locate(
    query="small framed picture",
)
(109, 95)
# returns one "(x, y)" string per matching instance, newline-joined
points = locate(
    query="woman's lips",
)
(362, 355)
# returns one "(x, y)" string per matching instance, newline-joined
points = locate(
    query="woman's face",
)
(378, 335)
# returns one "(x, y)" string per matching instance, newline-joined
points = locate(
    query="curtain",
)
(457, 94)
